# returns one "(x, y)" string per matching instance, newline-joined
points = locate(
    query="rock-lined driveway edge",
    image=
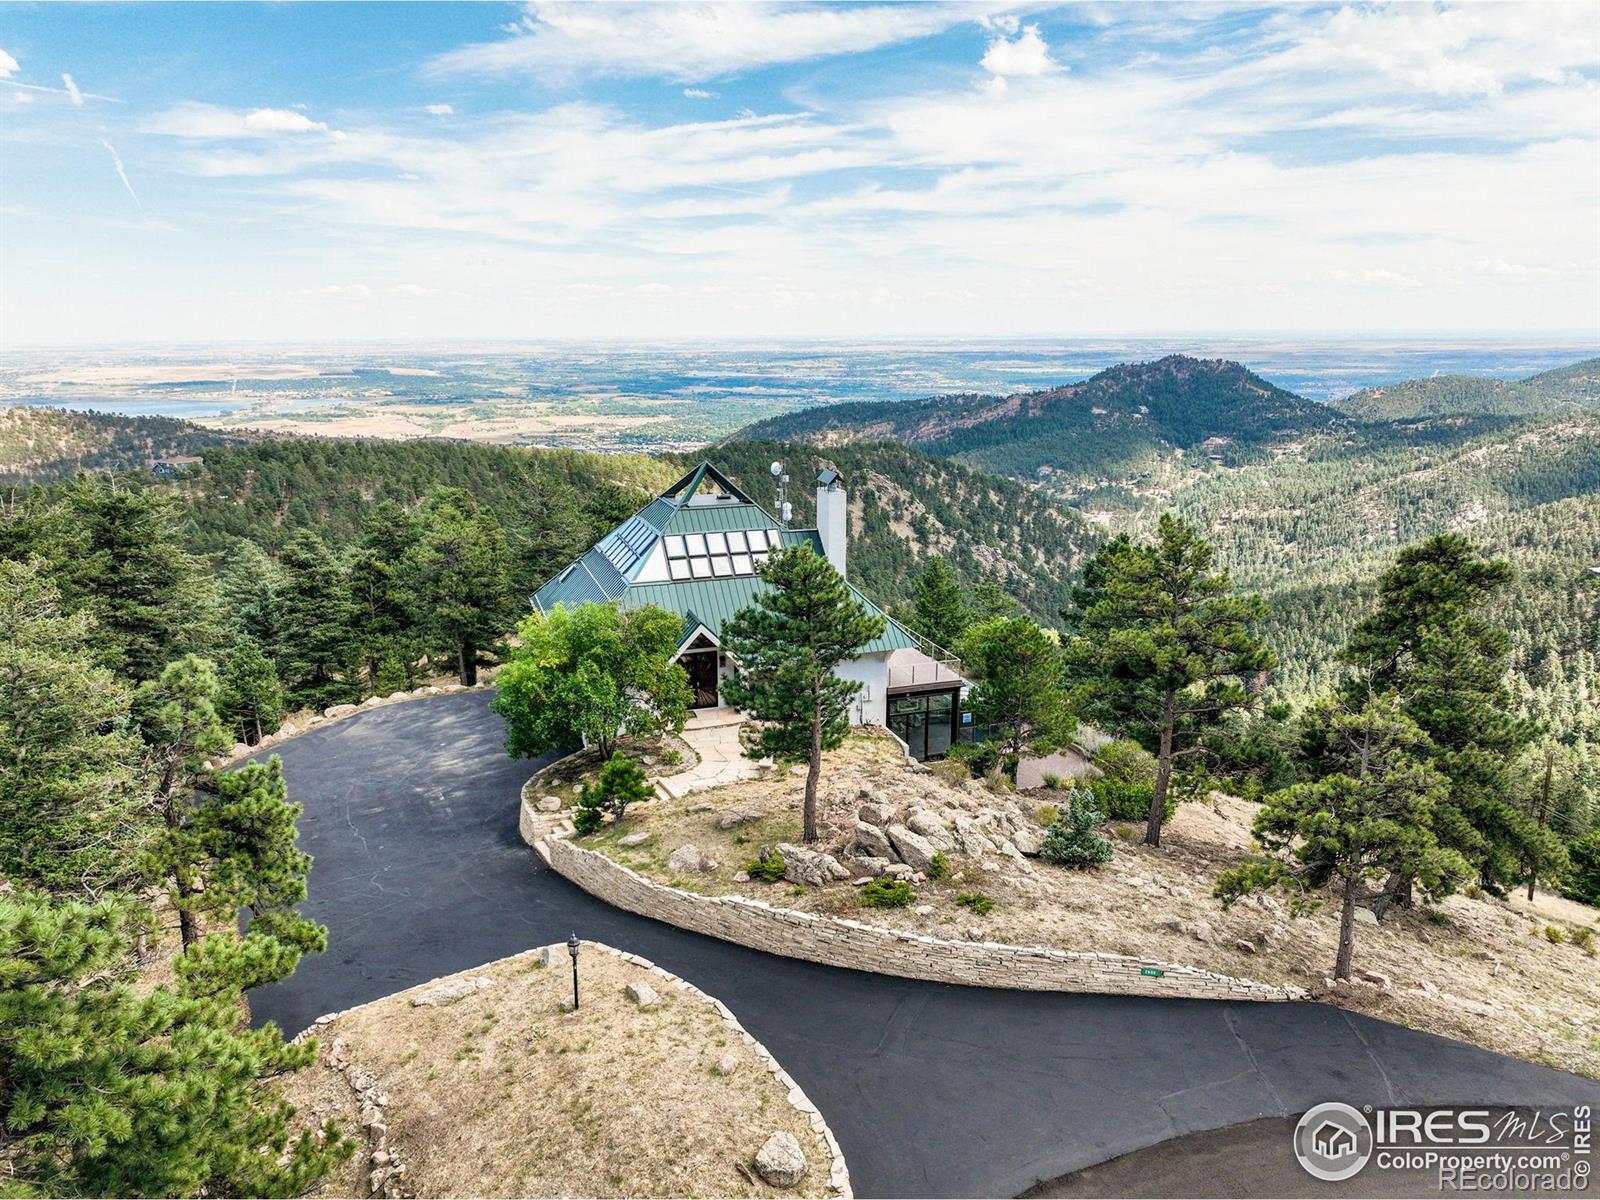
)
(932, 1090)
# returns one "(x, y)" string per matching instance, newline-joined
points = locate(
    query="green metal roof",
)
(608, 571)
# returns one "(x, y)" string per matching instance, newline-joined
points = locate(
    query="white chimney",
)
(833, 517)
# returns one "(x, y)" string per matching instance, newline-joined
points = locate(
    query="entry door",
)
(701, 667)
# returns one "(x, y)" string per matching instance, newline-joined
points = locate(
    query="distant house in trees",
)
(694, 551)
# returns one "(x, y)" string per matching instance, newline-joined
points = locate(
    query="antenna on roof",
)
(784, 511)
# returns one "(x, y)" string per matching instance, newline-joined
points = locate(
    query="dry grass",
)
(504, 1094)
(1498, 980)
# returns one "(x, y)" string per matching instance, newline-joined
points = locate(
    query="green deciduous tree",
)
(459, 574)
(1021, 692)
(1162, 647)
(318, 656)
(805, 622)
(1370, 815)
(108, 1090)
(592, 673)
(73, 817)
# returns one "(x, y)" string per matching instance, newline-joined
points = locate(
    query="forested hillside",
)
(1113, 425)
(41, 444)
(906, 507)
(1561, 389)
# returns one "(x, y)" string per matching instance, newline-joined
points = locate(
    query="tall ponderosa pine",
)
(1435, 645)
(459, 574)
(112, 1090)
(381, 595)
(805, 622)
(250, 590)
(1369, 816)
(591, 674)
(177, 718)
(154, 600)
(318, 655)
(938, 606)
(1162, 647)
(1019, 671)
(73, 816)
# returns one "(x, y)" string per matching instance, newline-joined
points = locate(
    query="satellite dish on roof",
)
(776, 469)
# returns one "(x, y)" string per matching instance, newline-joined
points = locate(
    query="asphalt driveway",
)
(932, 1090)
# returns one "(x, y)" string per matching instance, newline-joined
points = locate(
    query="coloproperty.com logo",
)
(1528, 1151)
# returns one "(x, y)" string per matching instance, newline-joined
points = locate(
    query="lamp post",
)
(572, 949)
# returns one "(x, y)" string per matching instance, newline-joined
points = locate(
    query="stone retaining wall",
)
(387, 1181)
(840, 942)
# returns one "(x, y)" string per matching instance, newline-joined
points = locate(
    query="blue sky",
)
(301, 172)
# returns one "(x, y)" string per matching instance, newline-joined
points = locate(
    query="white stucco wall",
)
(873, 672)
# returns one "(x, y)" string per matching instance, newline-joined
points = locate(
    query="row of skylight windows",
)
(624, 545)
(719, 555)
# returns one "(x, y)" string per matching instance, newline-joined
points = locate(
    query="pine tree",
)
(318, 653)
(1162, 646)
(381, 594)
(177, 718)
(1074, 840)
(112, 1090)
(250, 591)
(1369, 816)
(938, 609)
(1018, 668)
(252, 698)
(154, 601)
(1434, 645)
(73, 817)
(459, 579)
(805, 622)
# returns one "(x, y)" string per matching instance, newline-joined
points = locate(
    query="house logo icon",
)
(1333, 1141)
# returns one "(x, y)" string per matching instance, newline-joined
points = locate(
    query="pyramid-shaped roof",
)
(692, 550)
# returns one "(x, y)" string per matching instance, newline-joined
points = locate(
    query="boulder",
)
(811, 867)
(642, 994)
(923, 822)
(1365, 916)
(971, 839)
(339, 710)
(635, 839)
(690, 858)
(240, 749)
(875, 814)
(288, 729)
(727, 1064)
(900, 871)
(1376, 979)
(1201, 931)
(872, 841)
(1244, 947)
(371, 701)
(735, 817)
(870, 866)
(1027, 841)
(451, 991)
(548, 804)
(780, 1161)
(396, 696)
(912, 848)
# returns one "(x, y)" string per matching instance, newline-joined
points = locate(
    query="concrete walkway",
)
(713, 734)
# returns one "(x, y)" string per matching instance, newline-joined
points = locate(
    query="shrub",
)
(586, 820)
(1052, 780)
(1583, 939)
(1073, 841)
(976, 902)
(621, 782)
(979, 758)
(1554, 935)
(938, 865)
(887, 893)
(671, 758)
(1128, 782)
(768, 868)
(1048, 815)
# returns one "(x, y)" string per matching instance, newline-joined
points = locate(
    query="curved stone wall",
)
(840, 942)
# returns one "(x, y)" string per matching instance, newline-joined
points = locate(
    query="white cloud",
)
(699, 94)
(439, 110)
(8, 65)
(72, 91)
(211, 122)
(692, 42)
(1027, 55)
(21, 98)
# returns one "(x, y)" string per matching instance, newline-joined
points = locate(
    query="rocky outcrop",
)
(811, 867)
(913, 849)
(451, 991)
(690, 858)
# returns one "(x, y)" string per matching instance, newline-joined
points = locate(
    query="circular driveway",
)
(932, 1090)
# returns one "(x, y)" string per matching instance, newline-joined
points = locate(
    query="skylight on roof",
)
(623, 546)
(716, 555)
